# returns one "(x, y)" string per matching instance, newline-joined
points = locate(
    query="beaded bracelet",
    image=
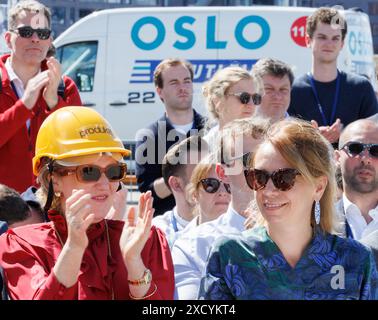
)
(144, 297)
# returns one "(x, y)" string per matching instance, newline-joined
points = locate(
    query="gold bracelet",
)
(144, 297)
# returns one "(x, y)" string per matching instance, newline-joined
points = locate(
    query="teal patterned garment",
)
(251, 266)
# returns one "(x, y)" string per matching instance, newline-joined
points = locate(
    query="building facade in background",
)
(67, 12)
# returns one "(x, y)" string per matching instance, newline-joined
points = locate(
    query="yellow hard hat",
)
(75, 131)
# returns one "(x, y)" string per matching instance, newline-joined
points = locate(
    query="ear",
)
(174, 184)
(321, 184)
(7, 37)
(57, 183)
(308, 41)
(337, 156)
(159, 92)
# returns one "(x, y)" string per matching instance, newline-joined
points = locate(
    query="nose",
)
(34, 37)
(365, 156)
(270, 188)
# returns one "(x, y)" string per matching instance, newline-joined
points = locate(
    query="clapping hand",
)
(331, 133)
(137, 229)
(50, 92)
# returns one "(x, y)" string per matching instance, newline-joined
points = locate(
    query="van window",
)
(79, 63)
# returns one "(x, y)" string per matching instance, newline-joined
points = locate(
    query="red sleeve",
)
(157, 257)
(11, 119)
(28, 271)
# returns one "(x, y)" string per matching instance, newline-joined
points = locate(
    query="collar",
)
(233, 218)
(350, 208)
(11, 73)
(198, 121)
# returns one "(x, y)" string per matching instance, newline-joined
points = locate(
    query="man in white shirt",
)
(191, 249)
(177, 168)
(358, 160)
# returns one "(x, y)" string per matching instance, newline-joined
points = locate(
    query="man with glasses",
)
(358, 160)
(277, 79)
(28, 90)
(326, 96)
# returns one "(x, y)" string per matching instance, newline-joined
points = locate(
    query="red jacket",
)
(16, 144)
(28, 255)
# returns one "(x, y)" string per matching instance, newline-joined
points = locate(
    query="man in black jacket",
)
(173, 80)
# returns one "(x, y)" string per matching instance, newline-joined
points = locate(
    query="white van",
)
(112, 54)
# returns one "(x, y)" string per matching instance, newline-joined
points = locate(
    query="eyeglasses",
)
(245, 97)
(245, 159)
(27, 32)
(92, 173)
(212, 185)
(355, 148)
(283, 179)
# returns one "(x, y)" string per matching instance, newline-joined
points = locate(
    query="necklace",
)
(108, 244)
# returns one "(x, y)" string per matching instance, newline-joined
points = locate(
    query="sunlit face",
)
(212, 205)
(290, 208)
(101, 191)
(360, 172)
(177, 91)
(230, 108)
(30, 51)
(276, 99)
(326, 43)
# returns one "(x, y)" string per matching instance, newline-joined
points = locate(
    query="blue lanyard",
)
(335, 99)
(174, 222)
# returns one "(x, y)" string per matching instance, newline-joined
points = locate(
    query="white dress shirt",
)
(168, 222)
(191, 251)
(360, 228)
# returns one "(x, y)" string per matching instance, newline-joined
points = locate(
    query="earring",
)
(57, 194)
(317, 212)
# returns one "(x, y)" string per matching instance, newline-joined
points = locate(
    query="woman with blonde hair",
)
(295, 253)
(208, 193)
(232, 93)
(82, 254)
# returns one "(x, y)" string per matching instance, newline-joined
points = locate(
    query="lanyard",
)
(348, 230)
(335, 99)
(174, 222)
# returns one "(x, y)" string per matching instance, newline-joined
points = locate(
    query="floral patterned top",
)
(251, 266)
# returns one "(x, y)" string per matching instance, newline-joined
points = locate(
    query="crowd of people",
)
(272, 195)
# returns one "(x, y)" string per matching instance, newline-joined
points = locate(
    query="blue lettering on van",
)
(265, 32)
(211, 43)
(159, 29)
(188, 34)
(143, 70)
(211, 33)
(358, 44)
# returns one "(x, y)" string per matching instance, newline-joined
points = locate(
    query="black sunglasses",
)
(92, 173)
(355, 148)
(27, 32)
(283, 179)
(245, 97)
(212, 185)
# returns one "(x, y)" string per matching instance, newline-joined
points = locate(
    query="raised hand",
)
(50, 92)
(137, 229)
(79, 217)
(33, 89)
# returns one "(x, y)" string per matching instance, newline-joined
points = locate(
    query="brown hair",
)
(306, 150)
(178, 156)
(30, 6)
(272, 67)
(328, 16)
(165, 64)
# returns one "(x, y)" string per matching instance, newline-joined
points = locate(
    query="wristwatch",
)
(146, 279)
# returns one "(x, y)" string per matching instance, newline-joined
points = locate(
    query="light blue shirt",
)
(190, 251)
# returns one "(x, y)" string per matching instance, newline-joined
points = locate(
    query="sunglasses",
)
(245, 97)
(283, 179)
(355, 148)
(212, 185)
(92, 173)
(27, 32)
(245, 159)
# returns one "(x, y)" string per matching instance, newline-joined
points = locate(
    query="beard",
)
(362, 186)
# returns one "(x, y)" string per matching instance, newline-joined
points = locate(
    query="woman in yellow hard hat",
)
(81, 254)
